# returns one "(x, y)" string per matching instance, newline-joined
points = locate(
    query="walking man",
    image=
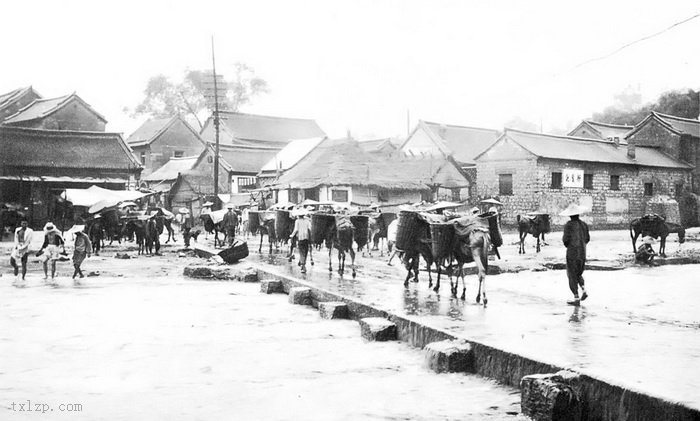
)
(23, 238)
(302, 230)
(575, 238)
(50, 250)
(81, 249)
(229, 222)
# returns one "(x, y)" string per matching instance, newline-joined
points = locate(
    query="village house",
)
(158, 140)
(341, 171)
(162, 179)
(531, 172)
(676, 136)
(286, 158)
(604, 131)
(385, 146)
(36, 165)
(68, 112)
(13, 101)
(241, 129)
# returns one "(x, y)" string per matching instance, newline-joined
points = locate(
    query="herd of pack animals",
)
(448, 253)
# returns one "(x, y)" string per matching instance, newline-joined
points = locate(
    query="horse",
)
(537, 226)
(655, 226)
(138, 229)
(210, 226)
(414, 251)
(475, 247)
(340, 236)
(151, 236)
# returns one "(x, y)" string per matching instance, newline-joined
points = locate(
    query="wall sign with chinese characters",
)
(572, 178)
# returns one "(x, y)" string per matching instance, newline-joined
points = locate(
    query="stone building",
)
(676, 136)
(531, 172)
(590, 129)
(158, 140)
(68, 112)
(13, 101)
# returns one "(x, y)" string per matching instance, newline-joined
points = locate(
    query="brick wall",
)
(73, 116)
(609, 208)
(177, 138)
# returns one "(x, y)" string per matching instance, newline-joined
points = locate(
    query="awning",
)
(63, 179)
(94, 194)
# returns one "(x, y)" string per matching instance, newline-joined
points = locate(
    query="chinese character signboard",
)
(572, 178)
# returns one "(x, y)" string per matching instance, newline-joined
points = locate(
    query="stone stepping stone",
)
(554, 396)
(333, 310)
(270, 286)
(300, 295)
(377, 329)
(449, 356)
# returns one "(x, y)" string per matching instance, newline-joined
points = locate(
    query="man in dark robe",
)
(575, 238)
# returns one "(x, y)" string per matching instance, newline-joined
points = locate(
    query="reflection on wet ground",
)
(639, 328)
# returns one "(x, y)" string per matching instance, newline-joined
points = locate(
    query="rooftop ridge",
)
(461, 127)
(264, 116)
(247, 147)
(610, 125)
(57, 132)
(563, 137)
(674, 117)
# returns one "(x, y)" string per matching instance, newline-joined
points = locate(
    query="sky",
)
(371, 67)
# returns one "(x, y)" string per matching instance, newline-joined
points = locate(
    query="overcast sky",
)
(360, 65)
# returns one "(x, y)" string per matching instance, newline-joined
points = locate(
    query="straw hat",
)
(49, 226)
(648, 240)
(184, 210)
(573, 209)
(230, 206)
(208, 204)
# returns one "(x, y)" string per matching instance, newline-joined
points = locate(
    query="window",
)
(588, 181)
(648, 189)
(679, 189)
(382, 195)
(455, 195)
(311, 194)
(294, 196)
(556, 180)
(210, 159)
(505, 184)
(178, 154)
(614, 182)
(143, 158)
(339, 195)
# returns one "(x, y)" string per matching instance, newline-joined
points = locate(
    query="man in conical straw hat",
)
(575, 238)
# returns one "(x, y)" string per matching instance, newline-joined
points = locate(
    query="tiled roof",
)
(589, 150)
(256, 130)
(680, 124)
(172, 168)
(148, 130)
(41, 108)
(604, 130)
(23, 147)
(461, 142)
(11, 102)
(243, 159)
(344, 162)
(385, 145)
(9, 97)
(292, 153)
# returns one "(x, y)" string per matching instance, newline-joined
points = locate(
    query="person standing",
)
(229, 224)
(23, 238)
(302, 231)
(81, 248)
(51, 250)
(187, 224)
(575, 239)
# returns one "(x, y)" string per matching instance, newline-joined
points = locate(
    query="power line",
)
(629, 44)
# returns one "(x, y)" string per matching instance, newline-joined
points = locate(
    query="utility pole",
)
(216, 126)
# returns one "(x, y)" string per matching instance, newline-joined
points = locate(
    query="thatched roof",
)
(345, 163)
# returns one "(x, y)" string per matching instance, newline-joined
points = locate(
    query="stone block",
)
(197, 272)
(247, 275)
(551, 396)
(449, 356)
(300, 295)
(270, 286)
(377, 329)
(333, 310)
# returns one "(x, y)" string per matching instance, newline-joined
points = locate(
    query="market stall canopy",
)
(492, 202)
(95, 194)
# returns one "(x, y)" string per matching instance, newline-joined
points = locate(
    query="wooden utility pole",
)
(216, 127)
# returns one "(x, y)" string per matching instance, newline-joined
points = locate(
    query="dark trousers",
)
(303, 251)
(186, 236)
(24, 265)
(230, 233)
(574, 270)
